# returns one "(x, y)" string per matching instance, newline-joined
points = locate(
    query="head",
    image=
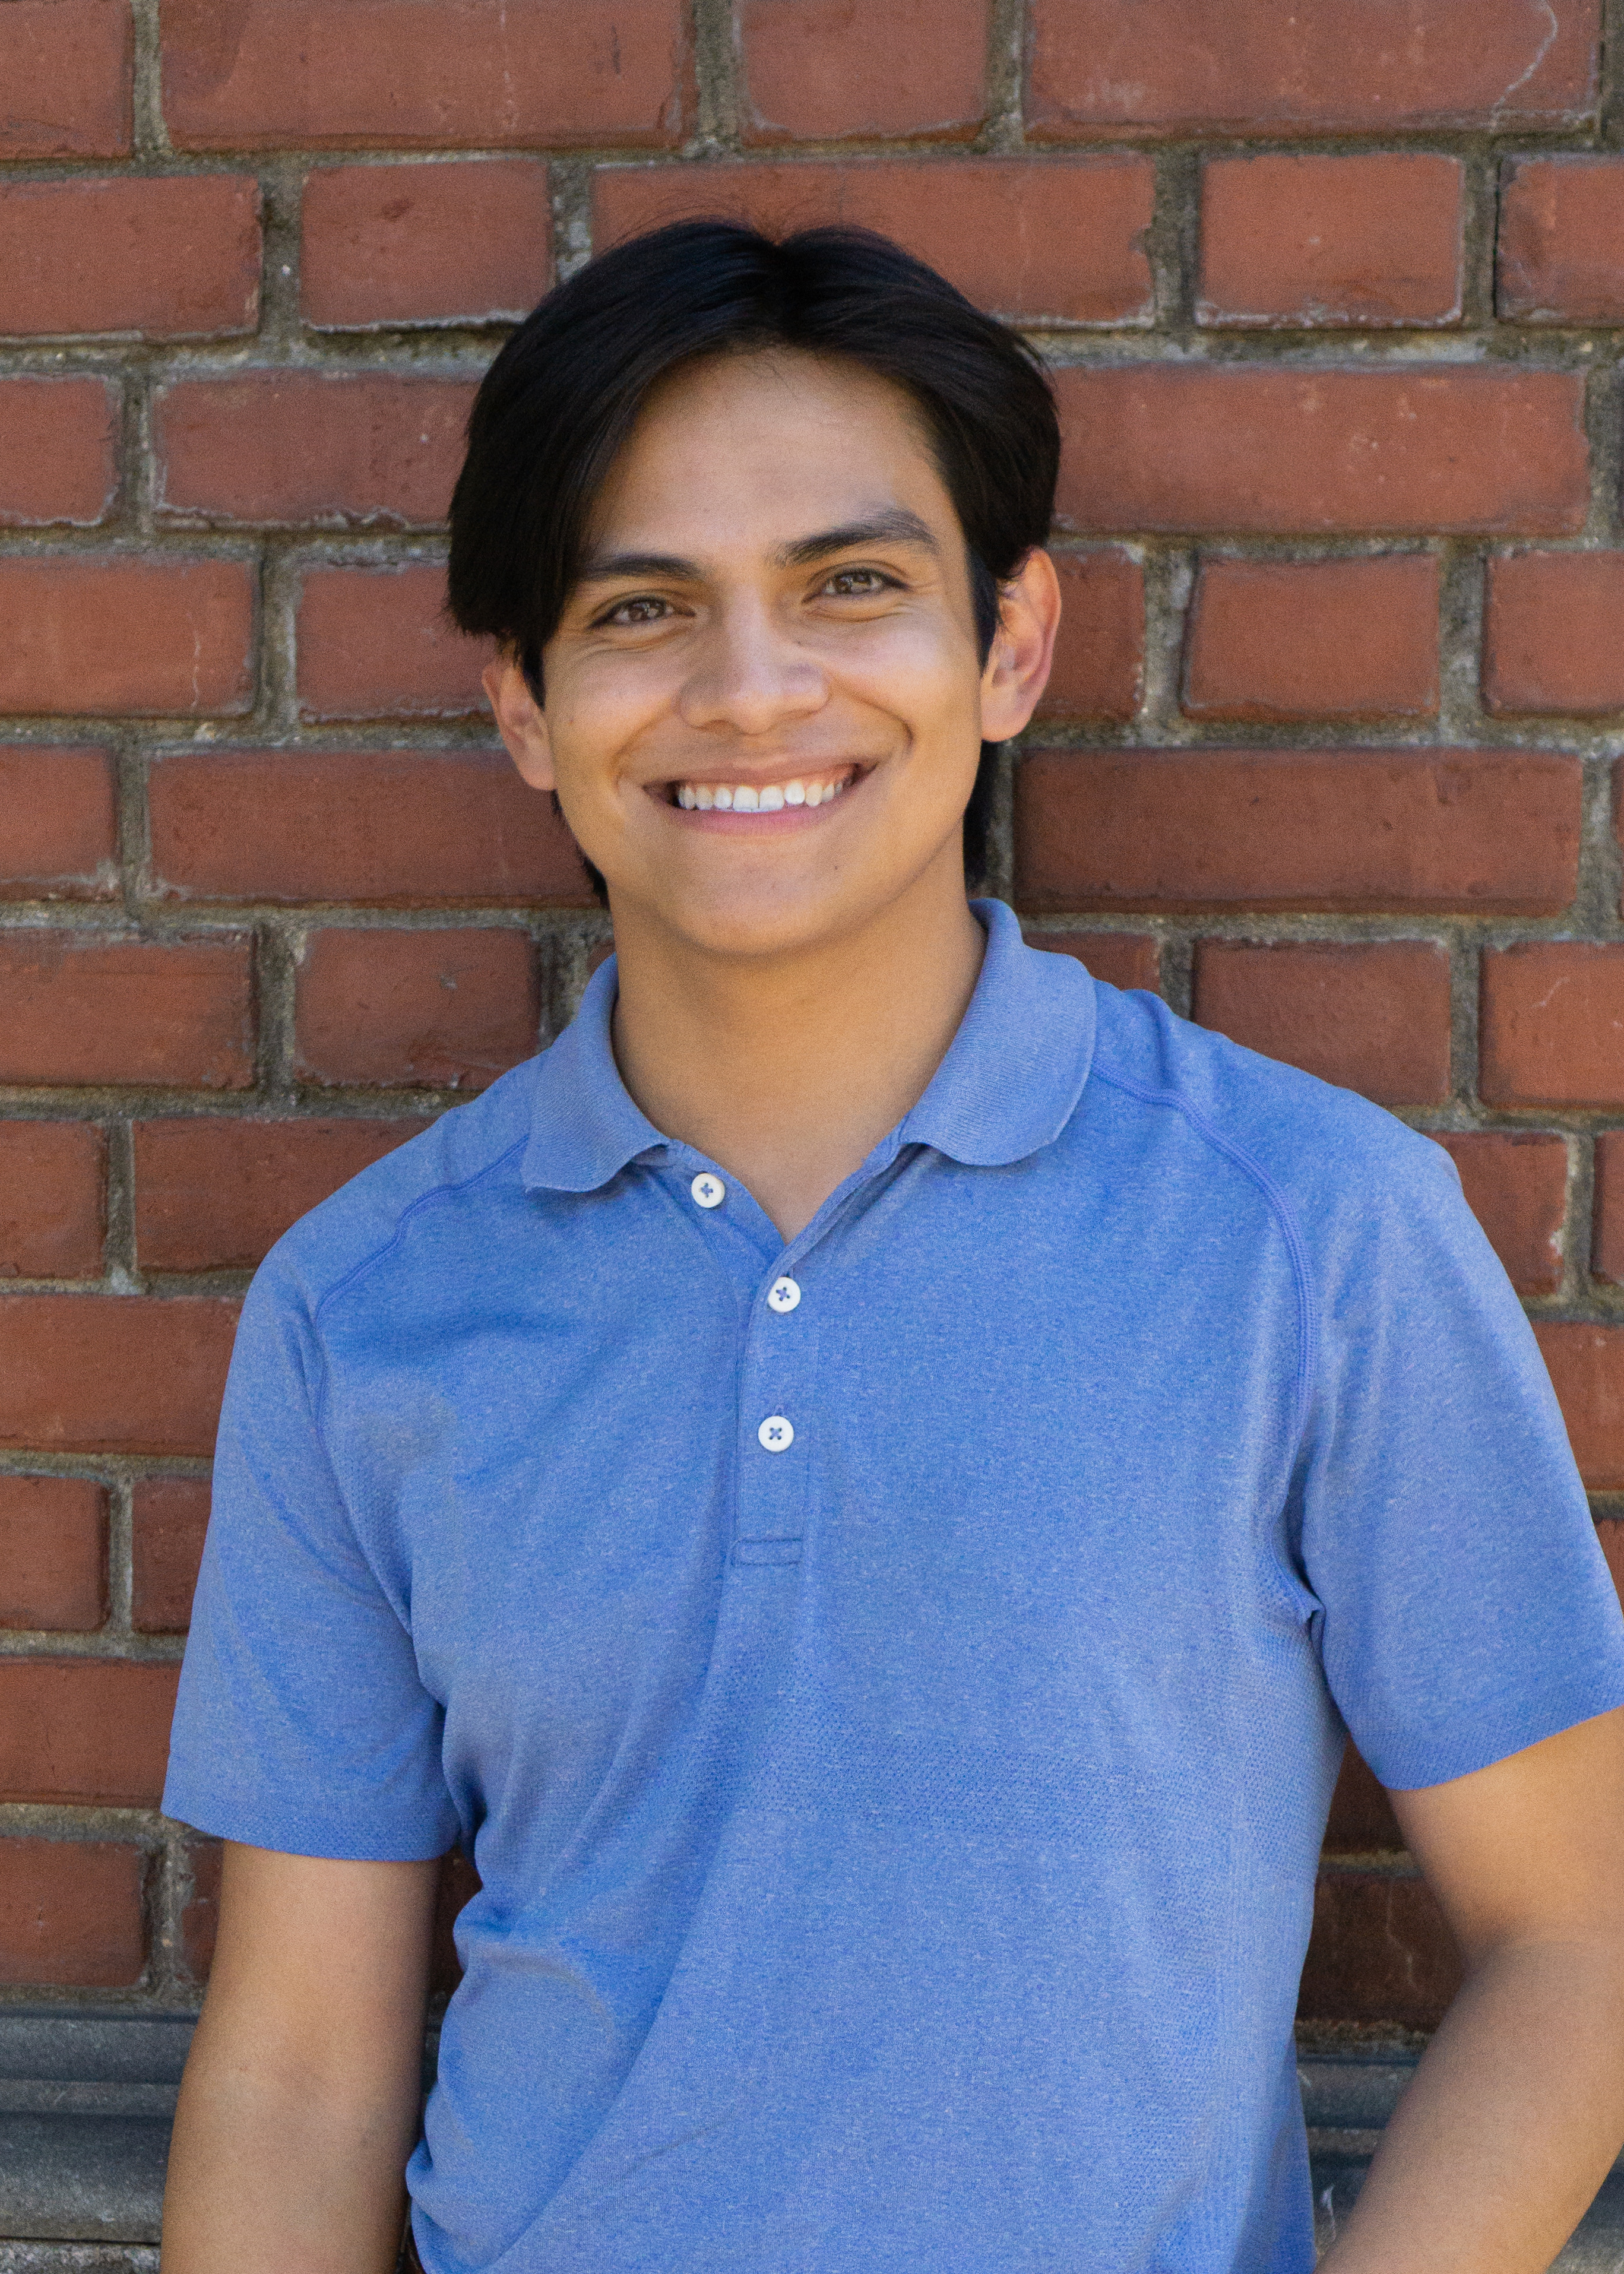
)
(759, 516)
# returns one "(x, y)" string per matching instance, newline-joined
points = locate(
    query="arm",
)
(1517, 2109)
(299, 2106)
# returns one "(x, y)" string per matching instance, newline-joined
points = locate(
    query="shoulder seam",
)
(434, 1192)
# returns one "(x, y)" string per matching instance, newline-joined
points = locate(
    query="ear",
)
(1023, 647)
(520, 721)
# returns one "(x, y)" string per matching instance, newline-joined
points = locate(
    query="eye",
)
(645, 608)
(858, 583)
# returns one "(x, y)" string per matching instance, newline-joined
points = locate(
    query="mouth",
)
(804, 792)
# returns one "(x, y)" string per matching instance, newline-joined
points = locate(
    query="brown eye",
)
(646, 610)
(856, 583)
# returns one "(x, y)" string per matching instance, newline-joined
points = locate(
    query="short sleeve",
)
(1467, 1611)
(301, 1723)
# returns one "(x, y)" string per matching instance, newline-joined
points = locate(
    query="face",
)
(763, 707)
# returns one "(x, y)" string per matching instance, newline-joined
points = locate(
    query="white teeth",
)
(795, 792)
(704, 797)
(688, 797)
(772, 799)
(745, 797)
(815, 793)
(745, 800)
(723, 799)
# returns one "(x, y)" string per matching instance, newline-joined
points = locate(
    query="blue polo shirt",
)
(891, 1684)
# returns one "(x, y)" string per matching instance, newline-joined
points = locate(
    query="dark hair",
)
(562, 398)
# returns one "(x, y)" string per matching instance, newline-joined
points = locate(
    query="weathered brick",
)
(58, 452)
(1554, 633)
(1372, 1017)
(457, 74)
(173, 257)
(1587, 1372)
(376, 643)
(58, 825)
(358, 825)
(1478, 831)
(215, 1192)
(1059, 239)
(1121, 958)
(1552, 1024)
(1607, 1238)
(1561, 241)
(297, 448)
(1423, 449)
(64, 79)
(113, 1374)
(1516, 1186)
(818, 71)
(1321, 240)
(1103, 67)
(1099, 667)
(53, 1176)
(83, 1008)
(53, 1554)
(98, 638)
(470, 242)
(71, 1913)
(1379, 1952)
(85, 1729)
(1609, 1532)
(1313, 639)
(168, 1522)
(442, 1010)
(199, 1917)
(1361, 1820)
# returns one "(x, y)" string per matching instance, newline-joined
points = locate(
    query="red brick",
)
(64, 69)
(1374, 1018)
(1356, 831)
(59, 441)
(102, 637)
(1552, 1024)
(1380, 1953)
(441, 1010)
(1060, 238)
(173, 257)
(459, 1884)
(58, 827)
(1554, 633)
(817, 71)
(297, 448)
(52, 1178)
(465, 243)
(1331, 240)
(356, 825)
(199, 1917)
(214, 1193)
(170, 1517)
(1121, 959)
(1103, 67)
(1608, 1248)
(1314, 639)
(1099, 667)
(1517, 1188)
(376, 643)
(85, 1729)
(113, 1374)
(83, 1008)
(1609, 1532)
(1418, 449)
(459, 74)
(1587, 1372)
(71, 1913)
(1361, 1821)
(1561, 241)
(53, 1554)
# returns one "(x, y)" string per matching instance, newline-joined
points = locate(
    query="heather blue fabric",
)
(896, 1851)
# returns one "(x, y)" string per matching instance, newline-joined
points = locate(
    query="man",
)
(868, 1482)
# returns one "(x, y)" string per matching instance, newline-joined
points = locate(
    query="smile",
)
(762, 797)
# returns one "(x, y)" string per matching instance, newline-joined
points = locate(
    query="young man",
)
(867, 1483)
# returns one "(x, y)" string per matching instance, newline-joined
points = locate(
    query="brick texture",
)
(81, 1008)
(199, 1917)
(1374, 1018)
(65, 79)
(112, 1374)
(466, 243)
(1348, 67)
(270, 74)
(53, 1554)
(1587, 1371)
(1121, 958)
(1062, 239)
(817, 71)
(1098, 667)
(1317, 240)
(443, 1010)
(71, 1914)
(1609, 1532)
(1561, 241)
(84, 1729)
(1517, 1186)
(175, 258)
(99, 638)
(168, 1520)
(376, 644)
(58, 826)
(1313, 639)
(1552, 626)
(1553, 1025)
(1478, 831)
(58, 461)
(1361, 1820)
(1607, 1238)
(53, 1177)
(215, 1195)
(1381, 1952)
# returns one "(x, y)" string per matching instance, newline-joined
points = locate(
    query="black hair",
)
(561, 400)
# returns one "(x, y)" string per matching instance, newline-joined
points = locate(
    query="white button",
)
(783, 1295)
(776, 1434)
(708, 1191)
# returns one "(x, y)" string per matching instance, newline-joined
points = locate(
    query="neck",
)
(787, 1070)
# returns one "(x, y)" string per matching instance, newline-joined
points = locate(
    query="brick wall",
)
(1332, 296)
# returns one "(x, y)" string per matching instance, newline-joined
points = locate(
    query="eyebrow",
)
(896, 524)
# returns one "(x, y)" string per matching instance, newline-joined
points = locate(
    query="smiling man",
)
(868, 1483)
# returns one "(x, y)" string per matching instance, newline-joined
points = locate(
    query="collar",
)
(1009, 1083)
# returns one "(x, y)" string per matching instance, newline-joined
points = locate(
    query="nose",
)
(750, 676)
